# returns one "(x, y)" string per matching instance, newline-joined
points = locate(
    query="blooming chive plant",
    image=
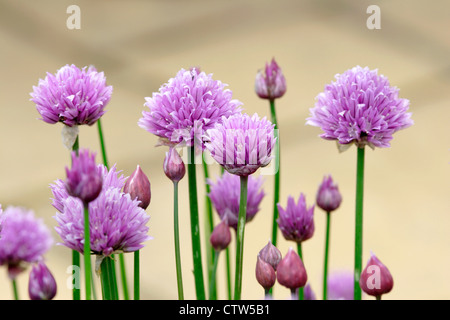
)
(102, 213)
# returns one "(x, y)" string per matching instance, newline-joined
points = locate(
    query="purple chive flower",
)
(376, 279)
(296, 222)
(328, 197)
(138, 186)
(173, 165)
(360, 107)
(221, 236)
(242, 144)
(117, 222)
(270, 83)
(83, 179)
(308, 293)
(187, 105)
(24, 239)
(225, 196)
(41, 283)
(265, 273)
(271, 255)
(340, 285)
(291, 272)
(72, 96)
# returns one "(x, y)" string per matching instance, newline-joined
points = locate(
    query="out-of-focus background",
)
(141, 44)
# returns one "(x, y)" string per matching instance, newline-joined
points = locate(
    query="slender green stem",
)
(123, 277)
(15, 291)
(276, 197)
(177, 242)
(325, 266)
(300, 254)
(240, 238)
(378, 297)
(228, 267)
(102, 143)
(108, 279)
(210, 252)
(76, 294)
(359, 221)
(87, 253)
(195, 231)
(212, 282)
(137, 292)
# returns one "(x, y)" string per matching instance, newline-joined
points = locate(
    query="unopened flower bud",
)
(221, 236)
(138, 186)
(265, 274)
(41, 284)
(328, 196)
(291, 272)
(84, 181)
(173, 165)
(270, 83)
(309, 293)
(376, 279)
(271, 255)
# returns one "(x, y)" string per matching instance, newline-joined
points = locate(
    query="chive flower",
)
(296, 221)
(340, 285)
(376, 278)
(360, 107)
(138, 186)
(24, 239)
(41, 283)
(328, 197)
(270, 82)
(186, 106)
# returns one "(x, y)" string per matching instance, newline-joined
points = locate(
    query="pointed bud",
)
(271, 255)
(270, 83)
(328, 196)
(376, 279)
(84, 181)
(138, 186)
(41, 284)
(221, 236)
(291, 272)
(174, 165)
(309, 293)
(265, 274)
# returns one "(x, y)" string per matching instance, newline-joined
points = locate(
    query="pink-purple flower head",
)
(72, 96)
(328, 197)
(186, 106)
(225, 196)
(83, 179)
(41, 283)
(270, 83)
(241, 143)
(24, 239)
(296, 222)
(360, 107)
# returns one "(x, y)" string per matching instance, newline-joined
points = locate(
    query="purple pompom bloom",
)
(225, 196)
(296, 222)
(360, 107)
(72, 96)
(186, 106)
(24, 239)
(242, 144)
(41, 283)
(83, 179)
(328, 197)
(270, 83)
(340, 285)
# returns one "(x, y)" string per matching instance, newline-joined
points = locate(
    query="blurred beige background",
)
(141, 44)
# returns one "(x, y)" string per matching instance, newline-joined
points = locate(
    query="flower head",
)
(138, 186)
(83, 179)
(24, 239)
(328, 197)
(296, 222)
(270, 83)
(360, 107)
(220, 236)
(265, 273)
(41, 283)
(376, 279)
(173, 165)
(340, 285)
(72, 96)
(225, 196)
(187, 105)
(271, 255)
(291, 272)
(242, 144)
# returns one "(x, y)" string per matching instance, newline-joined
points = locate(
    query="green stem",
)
(177, 241)
(87, 253)
(15, 291)
(228, 267)
(195, 231)
(108, 279)
(325, 267)
(76, 294)
(378, 297)
(300, 254)
(210, 252)
(137, 293)
(102, 143)
(123, 277)
(276, 197)
(212, 282)
(359, 221)
(240, 238)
